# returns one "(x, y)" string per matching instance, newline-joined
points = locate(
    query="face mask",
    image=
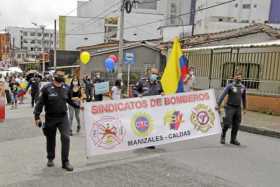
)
(238, 81)
(153, 77)
(59, 78)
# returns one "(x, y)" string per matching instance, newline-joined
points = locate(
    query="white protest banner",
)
(101, 88)
(121, 125)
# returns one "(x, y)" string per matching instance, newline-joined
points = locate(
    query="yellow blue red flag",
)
(175, 71)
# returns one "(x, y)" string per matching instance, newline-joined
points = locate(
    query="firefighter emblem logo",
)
(107, 132)
(173, 119)
(203, 118)
(142, 124)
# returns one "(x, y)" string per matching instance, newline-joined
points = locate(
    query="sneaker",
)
(67, 166)
(235, 142)
(223, 140)
(50, 163)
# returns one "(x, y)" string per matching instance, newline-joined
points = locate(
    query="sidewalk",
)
(260, 123)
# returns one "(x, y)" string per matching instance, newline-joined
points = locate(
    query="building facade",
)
(98, 21)
(234, 15)
(5, 44)
(29, 43)
(274, 15)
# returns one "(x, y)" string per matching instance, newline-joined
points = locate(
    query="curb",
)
(260, 131)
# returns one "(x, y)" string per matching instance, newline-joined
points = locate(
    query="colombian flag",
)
(176, 70)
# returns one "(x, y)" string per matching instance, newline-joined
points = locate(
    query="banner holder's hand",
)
(217, 108)
(38, 123)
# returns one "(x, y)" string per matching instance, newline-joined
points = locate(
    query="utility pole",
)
(121, 40)
(193, 12)
(54, 48)
(43, 55)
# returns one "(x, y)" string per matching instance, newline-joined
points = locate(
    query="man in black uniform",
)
(54, 97)
(34, 83)
(236, 93)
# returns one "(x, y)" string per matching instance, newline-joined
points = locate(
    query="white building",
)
(97, 21)
(28, 41)
(230, 16)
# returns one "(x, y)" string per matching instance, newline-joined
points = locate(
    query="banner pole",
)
(128, 79)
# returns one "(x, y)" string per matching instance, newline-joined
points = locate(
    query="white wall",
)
(208, 20)
(75, 26)
(169, 33)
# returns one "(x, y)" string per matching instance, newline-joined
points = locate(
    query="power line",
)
(160, 20)
(98, 16)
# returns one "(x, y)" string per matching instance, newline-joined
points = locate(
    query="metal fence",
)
(260, 70)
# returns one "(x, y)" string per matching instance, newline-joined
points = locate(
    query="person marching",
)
(149, 88)
(116, 90)
(76, 94)
(34, 84)
(236, 93)
(54, 98)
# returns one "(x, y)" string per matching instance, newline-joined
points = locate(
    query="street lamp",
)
(42, 27)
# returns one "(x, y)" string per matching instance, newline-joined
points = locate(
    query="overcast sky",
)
(23, 12)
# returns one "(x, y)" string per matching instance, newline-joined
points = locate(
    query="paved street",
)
(200, 162)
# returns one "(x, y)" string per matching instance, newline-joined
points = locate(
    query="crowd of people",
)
(62, 100)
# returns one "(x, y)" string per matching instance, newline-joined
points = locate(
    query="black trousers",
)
(8, 96)
(34, 98)
(49, 129)
(232, 119)
(88, 95)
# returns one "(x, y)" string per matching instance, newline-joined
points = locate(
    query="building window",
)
(24, 33)
(32, 49)
(46, 35)
(39, 34)
(39, 42)
(18, 55)
(236, 5)
(246, 6)
(255, 6)
(32, 34)
(51, 35)
(245, 21)
(173, 13)
(25, 48)
(25, 41)
(32, 42)
(147, 4)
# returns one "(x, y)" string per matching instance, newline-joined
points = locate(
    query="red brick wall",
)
(268, 104)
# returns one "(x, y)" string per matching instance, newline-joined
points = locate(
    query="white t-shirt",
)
(189, 83)
(116, 93)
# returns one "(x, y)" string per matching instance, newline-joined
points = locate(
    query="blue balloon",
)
(109, 64)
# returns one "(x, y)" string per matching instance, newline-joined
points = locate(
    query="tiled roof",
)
(234, 33)
(229, 34)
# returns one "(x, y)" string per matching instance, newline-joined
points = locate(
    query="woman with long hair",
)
(75, 91)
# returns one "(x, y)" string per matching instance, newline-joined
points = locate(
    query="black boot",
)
(235, 142)
(50, 163)
(67, 166)
(151, 147)
(223, 140)
(78, 128)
